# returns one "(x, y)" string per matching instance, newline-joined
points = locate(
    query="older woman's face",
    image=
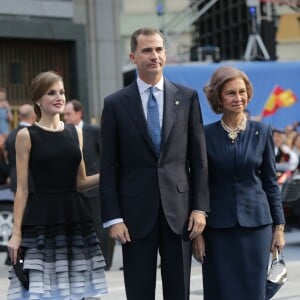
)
(234, 97)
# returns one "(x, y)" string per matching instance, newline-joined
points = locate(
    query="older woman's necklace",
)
(233, 133)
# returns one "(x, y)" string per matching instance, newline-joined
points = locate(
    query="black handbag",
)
(277, 274)
(21, 274)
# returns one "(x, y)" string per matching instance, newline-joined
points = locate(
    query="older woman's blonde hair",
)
(40, 85)
(221, 76)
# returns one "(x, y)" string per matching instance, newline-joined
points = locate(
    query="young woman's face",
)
(53, 102)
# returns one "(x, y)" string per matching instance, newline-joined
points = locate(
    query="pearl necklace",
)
(233, 133)
(59, 128)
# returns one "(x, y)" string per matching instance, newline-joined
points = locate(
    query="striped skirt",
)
(63, 262)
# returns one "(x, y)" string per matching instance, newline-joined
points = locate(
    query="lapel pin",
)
(176, 102)
(256, 132)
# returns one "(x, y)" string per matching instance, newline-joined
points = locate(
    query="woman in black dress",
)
(246, 220)
(52, 226)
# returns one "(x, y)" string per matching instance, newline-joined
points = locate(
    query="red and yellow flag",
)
(278, 98)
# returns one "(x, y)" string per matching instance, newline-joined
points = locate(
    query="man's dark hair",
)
(77, 106)
(142, 31)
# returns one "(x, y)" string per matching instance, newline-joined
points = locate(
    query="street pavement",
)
(290, 291)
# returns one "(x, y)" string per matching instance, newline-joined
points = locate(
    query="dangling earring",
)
(38, 104)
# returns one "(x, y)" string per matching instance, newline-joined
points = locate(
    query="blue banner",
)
(264, 77)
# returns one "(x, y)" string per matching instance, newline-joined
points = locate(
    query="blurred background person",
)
(4, 172)
(26, 118)
(296, 147)
(290, 131)
(73, 114)
(4, 176)
(286, 159)
(6, 116)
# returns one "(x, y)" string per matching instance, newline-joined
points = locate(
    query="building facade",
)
(72, 38)
(87, 41)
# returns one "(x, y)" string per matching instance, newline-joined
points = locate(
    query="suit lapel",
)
(133, 105)
(172, 104)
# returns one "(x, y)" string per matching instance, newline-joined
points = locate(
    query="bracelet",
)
(279, 227)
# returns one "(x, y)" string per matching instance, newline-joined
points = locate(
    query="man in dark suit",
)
(153, 169)
(26, 117)
(73, 114)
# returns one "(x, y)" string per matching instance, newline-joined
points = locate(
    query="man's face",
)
(71, 116)
(278, 138)
(149, 57)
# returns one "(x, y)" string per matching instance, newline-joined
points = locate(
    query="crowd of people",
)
(287, 148)
(286, 144)
(168, 185)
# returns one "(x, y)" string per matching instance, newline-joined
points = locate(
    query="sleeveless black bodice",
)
(54, 160)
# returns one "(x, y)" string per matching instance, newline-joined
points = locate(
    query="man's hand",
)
(199, 248)
(120, 233)
(197, 223)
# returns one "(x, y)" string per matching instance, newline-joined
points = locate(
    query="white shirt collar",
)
(23, 123)
(143, 86)
(79, 125)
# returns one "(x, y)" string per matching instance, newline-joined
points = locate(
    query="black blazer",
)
(91, 154)
(242, 177)
(133, 180)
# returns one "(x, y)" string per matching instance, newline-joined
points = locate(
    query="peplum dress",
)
(62, 252)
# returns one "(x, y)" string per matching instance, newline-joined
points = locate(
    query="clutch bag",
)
(21, 274)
